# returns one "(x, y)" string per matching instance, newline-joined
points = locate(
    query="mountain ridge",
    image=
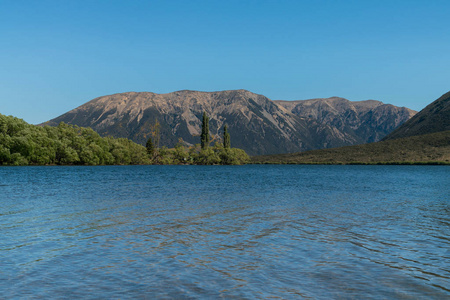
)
(362, 117)
(256, 124)
(435, 117)
(424, 139)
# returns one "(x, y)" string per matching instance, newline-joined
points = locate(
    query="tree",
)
(205, 132)
(180, 155)
(226, 138)
(150, 147)
(155, 132)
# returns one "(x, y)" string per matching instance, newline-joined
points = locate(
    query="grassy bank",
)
(432, 149)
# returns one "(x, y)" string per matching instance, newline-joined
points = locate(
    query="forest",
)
(25, 144)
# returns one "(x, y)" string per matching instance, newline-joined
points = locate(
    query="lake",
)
(203, 232)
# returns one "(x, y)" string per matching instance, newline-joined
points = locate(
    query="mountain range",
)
(256, 124)
(424, 139)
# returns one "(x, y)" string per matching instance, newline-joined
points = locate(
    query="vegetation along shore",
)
(431, 148)
(25, 144)
(423, 139)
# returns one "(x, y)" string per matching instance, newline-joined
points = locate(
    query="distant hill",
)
(425, 138)
(356, 122)
(433, 118)
(256, 124)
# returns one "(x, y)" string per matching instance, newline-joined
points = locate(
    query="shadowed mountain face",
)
(256, 124)
(433, 118)
(341, 122)
(424, 139)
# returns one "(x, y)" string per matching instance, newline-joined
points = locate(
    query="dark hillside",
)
(433, 118)
(432, 148)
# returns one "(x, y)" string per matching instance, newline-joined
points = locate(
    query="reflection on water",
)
(209, 232)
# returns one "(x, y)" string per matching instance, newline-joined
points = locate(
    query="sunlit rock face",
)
(256, 124)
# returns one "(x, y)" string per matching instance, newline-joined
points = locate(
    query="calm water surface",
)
(234, 232)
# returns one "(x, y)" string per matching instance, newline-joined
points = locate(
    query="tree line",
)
(200, 154)
(25, 144)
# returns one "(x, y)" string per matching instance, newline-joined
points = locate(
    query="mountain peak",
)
(256, 124)
(435, 117)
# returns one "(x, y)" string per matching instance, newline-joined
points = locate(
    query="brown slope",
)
(349, 122)
(433, 148)
(256, 124)
(433, 118)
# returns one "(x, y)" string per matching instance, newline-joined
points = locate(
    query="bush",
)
(217, 155)
(22, 144)
(25, 144)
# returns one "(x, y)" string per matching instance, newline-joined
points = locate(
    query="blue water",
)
(234, 232)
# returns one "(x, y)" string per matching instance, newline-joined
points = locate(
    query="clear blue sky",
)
(56, 55)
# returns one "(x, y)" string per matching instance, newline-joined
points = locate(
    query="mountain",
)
(433, 118)
(425, 138)
(256, 124)
(349, 123)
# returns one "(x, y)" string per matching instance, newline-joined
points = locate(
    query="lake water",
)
(225, 232)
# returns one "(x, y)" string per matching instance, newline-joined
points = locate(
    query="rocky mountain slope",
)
(256, 124)
(433, 118)
(424, 139)
(348, 123)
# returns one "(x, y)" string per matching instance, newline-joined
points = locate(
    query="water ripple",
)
(285, 232)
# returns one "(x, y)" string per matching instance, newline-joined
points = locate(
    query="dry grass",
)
(424, 149)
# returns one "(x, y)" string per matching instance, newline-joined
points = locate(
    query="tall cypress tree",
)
(156, 128)
(226, 138)
(150, 147)
(204, 139)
